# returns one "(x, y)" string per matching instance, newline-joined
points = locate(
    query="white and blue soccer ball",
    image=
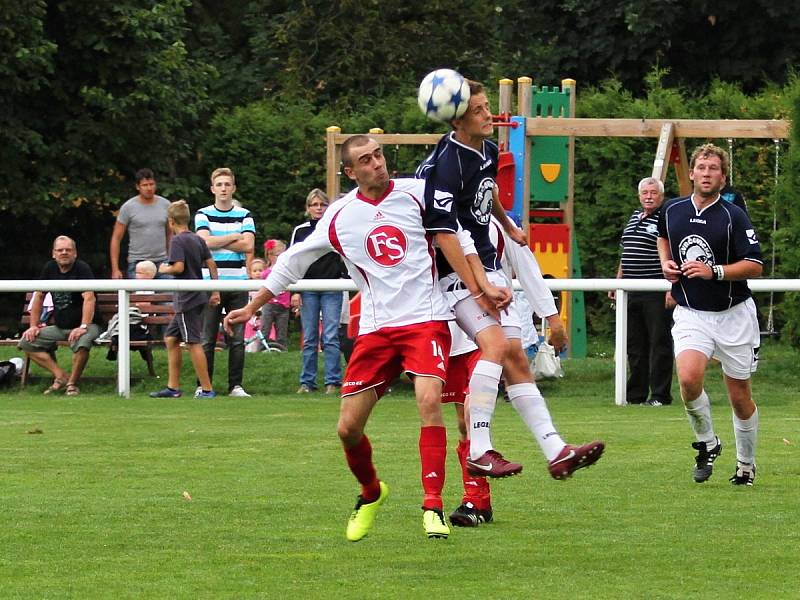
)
(443, 95)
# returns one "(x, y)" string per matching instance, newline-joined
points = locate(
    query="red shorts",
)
(459, 372)
(379, 357)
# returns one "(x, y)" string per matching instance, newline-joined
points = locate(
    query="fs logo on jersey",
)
(386, 245)
(652, 229)
(751, 236)
(482, 205)
(694, 247)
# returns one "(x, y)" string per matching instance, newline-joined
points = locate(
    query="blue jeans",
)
(329, 305)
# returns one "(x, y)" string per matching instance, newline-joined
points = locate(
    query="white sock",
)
(699, 413)
(482, 399)
(746, 432)
(527, 400)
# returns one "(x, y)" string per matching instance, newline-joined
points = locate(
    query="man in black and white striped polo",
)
(649, 313)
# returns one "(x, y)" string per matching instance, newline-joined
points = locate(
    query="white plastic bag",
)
(546, 364)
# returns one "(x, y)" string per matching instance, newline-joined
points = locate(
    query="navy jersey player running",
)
(460, 192)
(708, 249)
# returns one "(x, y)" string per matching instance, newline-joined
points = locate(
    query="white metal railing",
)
(126, 286)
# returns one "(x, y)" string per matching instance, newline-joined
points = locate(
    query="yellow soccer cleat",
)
(434, 524)
(364, 515)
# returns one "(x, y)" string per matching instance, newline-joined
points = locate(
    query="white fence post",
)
(124, 349)
(621, 348)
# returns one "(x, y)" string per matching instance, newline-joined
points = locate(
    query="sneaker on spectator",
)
(167, 392)
(571, 458)
(331, 389)
(492, 464)
(238, 392)
(205, 394)
(304, 389)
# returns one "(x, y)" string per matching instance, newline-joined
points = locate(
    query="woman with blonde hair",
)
(314, 306)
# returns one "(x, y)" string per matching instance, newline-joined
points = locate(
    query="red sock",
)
(432, 455)
(359, 459)
(476, 489)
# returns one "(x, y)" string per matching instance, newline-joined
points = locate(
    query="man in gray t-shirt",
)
(144, 217)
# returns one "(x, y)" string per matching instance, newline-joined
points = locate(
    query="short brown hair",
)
(356, 140)
(707, 150)
(475, 87)
(178, 211)
(223, 171)
(143, 174)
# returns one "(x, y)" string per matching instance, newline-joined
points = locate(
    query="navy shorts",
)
(187, 325)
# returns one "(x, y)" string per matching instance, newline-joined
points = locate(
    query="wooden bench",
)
(158, 309)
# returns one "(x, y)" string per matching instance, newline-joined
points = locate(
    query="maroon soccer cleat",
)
(572, 458)
(492, 464)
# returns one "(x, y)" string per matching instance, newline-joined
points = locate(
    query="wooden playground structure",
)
(536, 168)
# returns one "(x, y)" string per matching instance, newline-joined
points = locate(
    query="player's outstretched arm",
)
(244, 314)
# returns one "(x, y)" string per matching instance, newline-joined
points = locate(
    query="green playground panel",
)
(548, 150)
(577, 334)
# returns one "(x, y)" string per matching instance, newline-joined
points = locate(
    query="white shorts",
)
(469, 316)
(731, 336)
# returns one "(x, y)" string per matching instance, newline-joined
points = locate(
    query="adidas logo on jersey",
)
(378, 216)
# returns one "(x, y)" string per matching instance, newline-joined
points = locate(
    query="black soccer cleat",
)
(745, 474)
(467, 515)
(704, 461)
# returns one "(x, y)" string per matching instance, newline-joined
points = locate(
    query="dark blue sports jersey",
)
(719, 234)
(458, 190)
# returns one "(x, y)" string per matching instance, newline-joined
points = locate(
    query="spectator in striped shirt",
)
(230, 233)
(649, 313)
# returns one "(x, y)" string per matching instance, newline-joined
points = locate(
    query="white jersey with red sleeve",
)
(387, 252)
(519, 261)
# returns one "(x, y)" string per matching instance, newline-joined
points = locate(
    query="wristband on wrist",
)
(479, 295)
(719, 272)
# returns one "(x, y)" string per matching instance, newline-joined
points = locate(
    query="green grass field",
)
(92, 497)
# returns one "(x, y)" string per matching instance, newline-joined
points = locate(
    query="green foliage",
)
(277, 151)
(608, 169)
(788, 235)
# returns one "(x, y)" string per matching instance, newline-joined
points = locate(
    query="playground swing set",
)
(536, 172)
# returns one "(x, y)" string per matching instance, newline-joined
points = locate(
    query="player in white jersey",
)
(378, 230)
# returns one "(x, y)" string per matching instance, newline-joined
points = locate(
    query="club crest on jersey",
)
(482, 205)
(751, 236)
(386, 245)
(694, 247)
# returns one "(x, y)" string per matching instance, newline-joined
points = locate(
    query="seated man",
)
(73, 316)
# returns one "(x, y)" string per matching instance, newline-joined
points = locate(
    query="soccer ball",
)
(443, 95)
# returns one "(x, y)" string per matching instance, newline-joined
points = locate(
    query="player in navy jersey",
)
(377, 228)
(708, 249)
(461, 192)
